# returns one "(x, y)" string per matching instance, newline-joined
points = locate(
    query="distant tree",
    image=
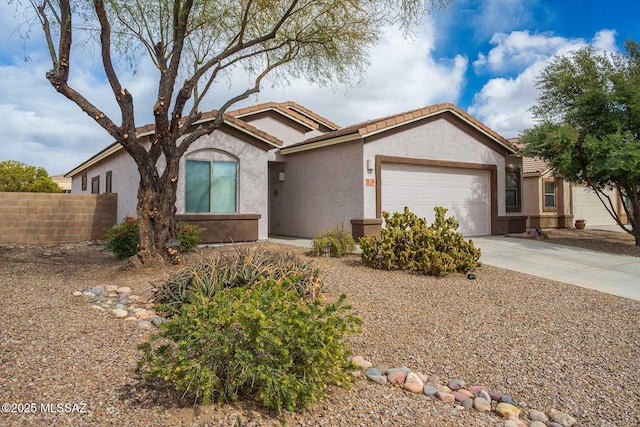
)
(19, 177)
(196, 45)
(589, 125)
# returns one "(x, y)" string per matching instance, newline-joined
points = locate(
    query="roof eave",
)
(279, 111)
(116, 146)
(322, 143)
(507, 146)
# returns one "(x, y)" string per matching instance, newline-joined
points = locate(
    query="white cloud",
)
(504, 102)
(43, 128)
(403, 75)
(495, 16)
(519, 49)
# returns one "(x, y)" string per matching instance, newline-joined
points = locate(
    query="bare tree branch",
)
(608, 205)
(219, 118)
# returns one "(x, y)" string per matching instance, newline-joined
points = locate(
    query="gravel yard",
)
(547, 344)
(606, 241)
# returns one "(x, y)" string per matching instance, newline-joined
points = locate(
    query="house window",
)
(211, 187)
(549, 195)
(84, 182)
(512, 189)
(108, 182)
(95, 185)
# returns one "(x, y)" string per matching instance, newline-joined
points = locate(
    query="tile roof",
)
(290, 109)
(534, 166)
(290, 105)
(149, 129)
(230, 119)
(372, 127)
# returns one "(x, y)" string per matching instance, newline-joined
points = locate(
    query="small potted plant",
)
(580, 224)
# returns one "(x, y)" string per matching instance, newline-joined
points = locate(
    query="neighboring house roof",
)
(377, 126)
(534, 167)
(62, 181)
(289, 109)
(531, 166)
(149, 129)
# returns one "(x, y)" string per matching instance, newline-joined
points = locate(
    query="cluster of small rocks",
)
(123, 304)
(478, 397)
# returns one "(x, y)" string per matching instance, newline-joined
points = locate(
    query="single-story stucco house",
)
(279, 168)
(552, 202)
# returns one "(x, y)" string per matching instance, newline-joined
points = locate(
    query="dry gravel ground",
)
(548, 344)
(606, 241)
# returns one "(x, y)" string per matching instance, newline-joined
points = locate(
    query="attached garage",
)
(587, 206)
(434, 156)
(464, 192)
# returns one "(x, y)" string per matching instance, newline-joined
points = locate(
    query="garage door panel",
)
(587, 206)
(465, 193)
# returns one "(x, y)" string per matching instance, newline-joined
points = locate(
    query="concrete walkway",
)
(613, 274)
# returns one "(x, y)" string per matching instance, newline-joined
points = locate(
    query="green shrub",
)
(247, 267)
(407, 243)
(189, 236)
(261, 341)
(336, 243)
(122, 239)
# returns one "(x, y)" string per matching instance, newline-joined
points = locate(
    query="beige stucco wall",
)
(252, 179)
(532, 193)
(436, 140)
(252, 173)
(287, 134)
(125, 181)
(531, 201)
(322, 190)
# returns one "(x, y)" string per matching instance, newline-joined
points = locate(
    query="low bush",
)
(122, 239)
(189, 236)
(261, 340)
(246, 267)
(335, 243)
(408, 243)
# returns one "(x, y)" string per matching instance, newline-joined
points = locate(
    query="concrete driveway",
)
(609, 273)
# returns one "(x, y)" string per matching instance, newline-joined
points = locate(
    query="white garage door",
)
(587, 206)
(464, 192)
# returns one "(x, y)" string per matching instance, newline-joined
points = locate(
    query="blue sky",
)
(482, 55)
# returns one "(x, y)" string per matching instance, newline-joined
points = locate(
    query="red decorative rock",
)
(460, 397)
(495, 396)
(456, 384)
(434, 380)
(397, 377)
(445, 397)
(413, 383)
(465, 392)
(361, 362)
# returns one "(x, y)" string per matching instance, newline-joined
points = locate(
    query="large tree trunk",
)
(157, 227)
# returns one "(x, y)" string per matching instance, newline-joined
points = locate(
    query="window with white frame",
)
(549, 198)
(211, 186)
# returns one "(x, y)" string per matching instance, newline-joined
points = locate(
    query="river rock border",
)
(133, 308)
(477, 397)
(122, 304)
